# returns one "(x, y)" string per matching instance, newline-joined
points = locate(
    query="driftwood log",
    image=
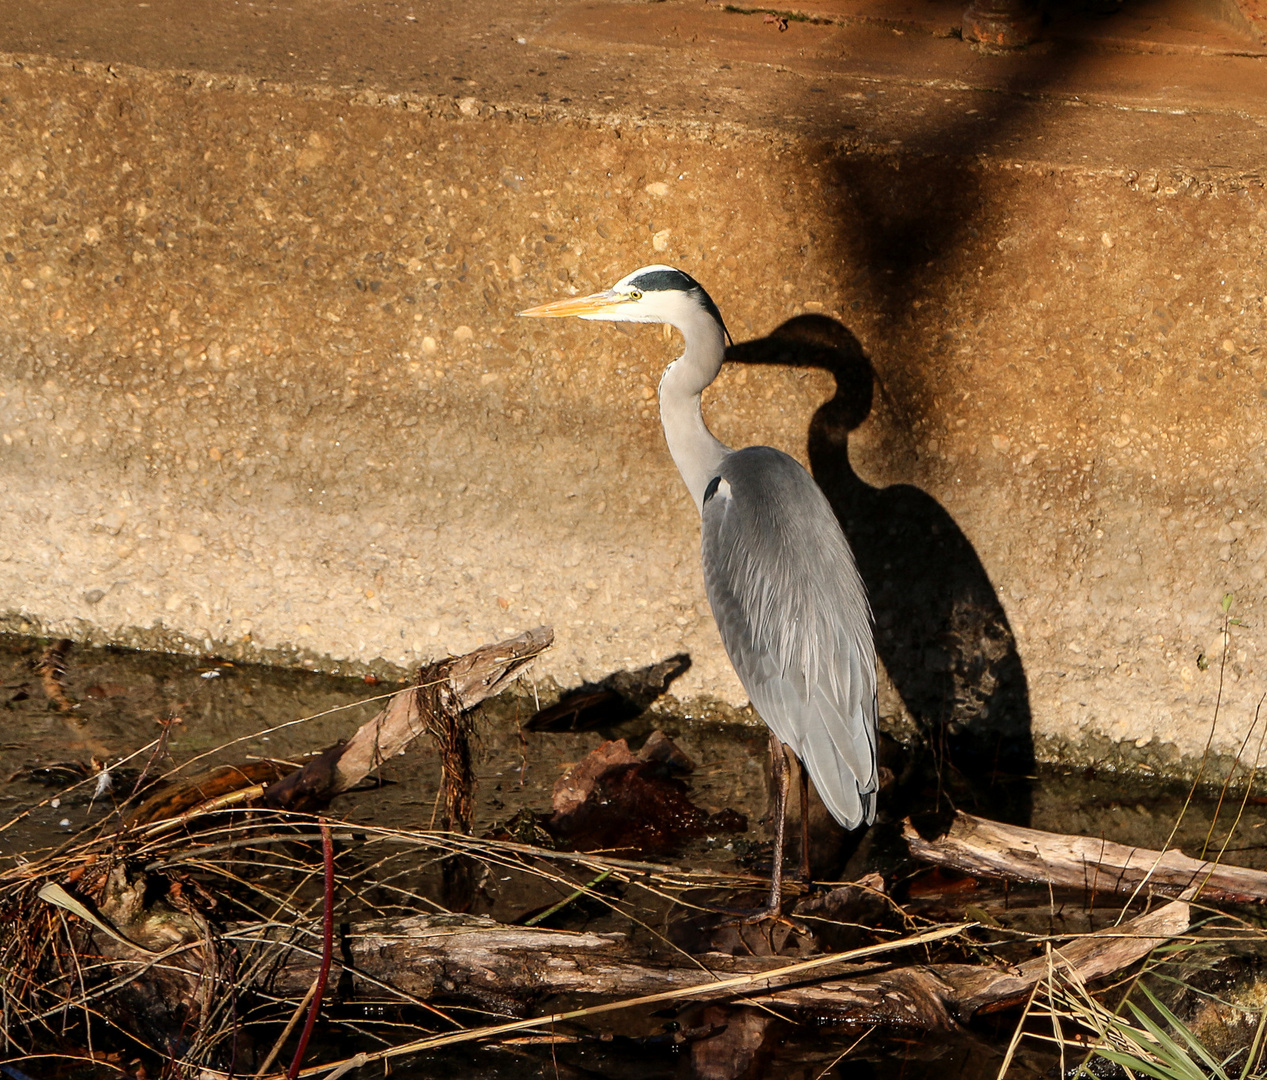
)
(991, 849)
(466, 960)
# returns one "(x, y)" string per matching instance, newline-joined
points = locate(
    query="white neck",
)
(696, 452)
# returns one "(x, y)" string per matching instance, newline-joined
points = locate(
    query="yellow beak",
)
(576, 306)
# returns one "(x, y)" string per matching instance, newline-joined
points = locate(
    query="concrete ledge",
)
(261, 391)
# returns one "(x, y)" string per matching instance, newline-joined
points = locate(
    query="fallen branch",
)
(939, 996)
(735, 985)
(216, 789)
(991, 849)
(469, 679)
(1090, 957)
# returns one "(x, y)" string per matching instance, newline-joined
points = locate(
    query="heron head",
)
(653, 294)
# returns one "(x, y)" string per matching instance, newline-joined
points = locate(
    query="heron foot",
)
(776, 917)
(768, 912)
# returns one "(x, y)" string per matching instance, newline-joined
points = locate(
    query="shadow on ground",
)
(620, 697)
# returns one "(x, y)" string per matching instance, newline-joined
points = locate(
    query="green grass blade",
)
(1255, 1048)
(1182, 1029)
(1160, 1045)
(1136, 1064)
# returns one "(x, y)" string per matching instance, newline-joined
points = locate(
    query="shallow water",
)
(232, 713)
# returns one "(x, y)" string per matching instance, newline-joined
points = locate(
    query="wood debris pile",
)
(204, 924)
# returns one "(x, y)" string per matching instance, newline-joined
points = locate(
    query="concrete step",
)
(262, 391)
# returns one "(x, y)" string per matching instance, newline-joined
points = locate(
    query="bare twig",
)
(327, 949)
(290, 1026)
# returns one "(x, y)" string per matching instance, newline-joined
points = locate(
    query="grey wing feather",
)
(794, 619)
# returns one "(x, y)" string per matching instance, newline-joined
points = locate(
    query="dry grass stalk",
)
(262, 958)
(482, 963)
(44, 969)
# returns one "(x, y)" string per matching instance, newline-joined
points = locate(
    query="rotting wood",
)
(51, 668)
(470, 678)
(991, 849)
(467, 960)
(198, 792)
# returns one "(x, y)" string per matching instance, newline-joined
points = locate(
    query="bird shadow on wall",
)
(909, 224)
(940, 630)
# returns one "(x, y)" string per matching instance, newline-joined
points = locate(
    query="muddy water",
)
(216, 712)
(228, 713)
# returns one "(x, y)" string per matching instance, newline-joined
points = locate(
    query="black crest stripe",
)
(665, 280)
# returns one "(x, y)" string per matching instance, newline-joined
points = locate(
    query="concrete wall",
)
(261, 391)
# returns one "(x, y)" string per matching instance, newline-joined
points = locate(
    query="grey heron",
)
(780, 577)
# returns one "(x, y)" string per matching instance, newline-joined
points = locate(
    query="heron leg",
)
(804, 872)
(778, 763)
(773, 907)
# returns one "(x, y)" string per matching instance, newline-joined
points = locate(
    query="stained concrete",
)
(262, 392)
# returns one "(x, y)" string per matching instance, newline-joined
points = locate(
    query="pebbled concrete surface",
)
(261, 390)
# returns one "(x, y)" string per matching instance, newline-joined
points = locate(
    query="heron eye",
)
(635, 294)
